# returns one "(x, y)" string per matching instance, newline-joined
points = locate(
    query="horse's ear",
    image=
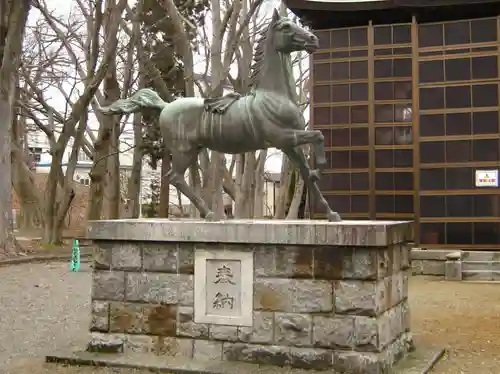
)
(276, 16)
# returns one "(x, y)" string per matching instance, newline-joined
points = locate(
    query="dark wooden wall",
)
(409, 112)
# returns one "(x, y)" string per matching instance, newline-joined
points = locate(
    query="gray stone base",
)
(417, 362)
(348, 361)
(366, 360)
(317, 295)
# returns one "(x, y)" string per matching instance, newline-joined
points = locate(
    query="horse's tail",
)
(144, 98)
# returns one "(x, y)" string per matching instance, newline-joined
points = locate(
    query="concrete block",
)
(453, 270)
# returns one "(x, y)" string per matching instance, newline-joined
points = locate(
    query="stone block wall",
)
(338, 303)
(429, 261)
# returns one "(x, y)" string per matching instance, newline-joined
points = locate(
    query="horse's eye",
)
(286, 27)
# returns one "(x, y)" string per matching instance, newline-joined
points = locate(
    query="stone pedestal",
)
(308, 294)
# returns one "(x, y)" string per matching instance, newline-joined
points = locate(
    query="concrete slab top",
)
(285, 232)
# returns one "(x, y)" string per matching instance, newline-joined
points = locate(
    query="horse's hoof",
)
(314, 175)
(333, 216)
(210, 217)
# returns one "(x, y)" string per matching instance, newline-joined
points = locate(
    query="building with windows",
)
(406, 93)
(39, 149)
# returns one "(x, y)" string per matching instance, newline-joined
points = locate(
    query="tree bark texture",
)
(134, 182)
(13, 16)
(164, 186)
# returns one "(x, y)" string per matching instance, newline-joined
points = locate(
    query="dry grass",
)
(462, 317)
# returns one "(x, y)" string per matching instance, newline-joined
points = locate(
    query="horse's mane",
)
(258, 55)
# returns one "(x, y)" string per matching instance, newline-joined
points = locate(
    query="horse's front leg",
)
(293, 138)
(298, 158)
(317, 140)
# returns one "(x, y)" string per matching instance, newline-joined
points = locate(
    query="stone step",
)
(481, 282)
(480, 265)
(480, 275)
(481, 256)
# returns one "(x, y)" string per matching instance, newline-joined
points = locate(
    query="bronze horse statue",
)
(266, 117)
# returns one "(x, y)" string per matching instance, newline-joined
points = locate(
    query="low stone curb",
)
(420, 362)
(433, 362)
(44, 258)
(482, 281)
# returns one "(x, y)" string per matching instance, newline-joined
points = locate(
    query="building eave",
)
(324, 14)
(370, 5)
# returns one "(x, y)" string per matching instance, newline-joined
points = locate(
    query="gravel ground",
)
(45, 307)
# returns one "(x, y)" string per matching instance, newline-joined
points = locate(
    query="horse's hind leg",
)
(181, 160)
(299, 160)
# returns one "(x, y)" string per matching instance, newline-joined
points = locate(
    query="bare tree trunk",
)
(13, 18)
(54, 225)
(111, 91)
(98, 172)
(23, 179)
(238, 182)
(244, 203)
(307, 205)
(293, 211)
(164, 186)
(23, 182)
(284, 191)
(112, 185)
(259, 197)
(183, 48)
(51, 230)
(96, 195)
(179, 203)
(134, 182)
(102, 180)
(214, 185)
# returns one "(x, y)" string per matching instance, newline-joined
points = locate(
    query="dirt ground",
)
(463, 317)
(33, 368)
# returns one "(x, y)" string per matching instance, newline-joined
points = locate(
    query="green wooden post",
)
(75, 256)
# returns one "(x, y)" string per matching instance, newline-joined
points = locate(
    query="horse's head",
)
(289, 37)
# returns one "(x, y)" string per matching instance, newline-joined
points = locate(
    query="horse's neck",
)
(275, 75)
(288, 71)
